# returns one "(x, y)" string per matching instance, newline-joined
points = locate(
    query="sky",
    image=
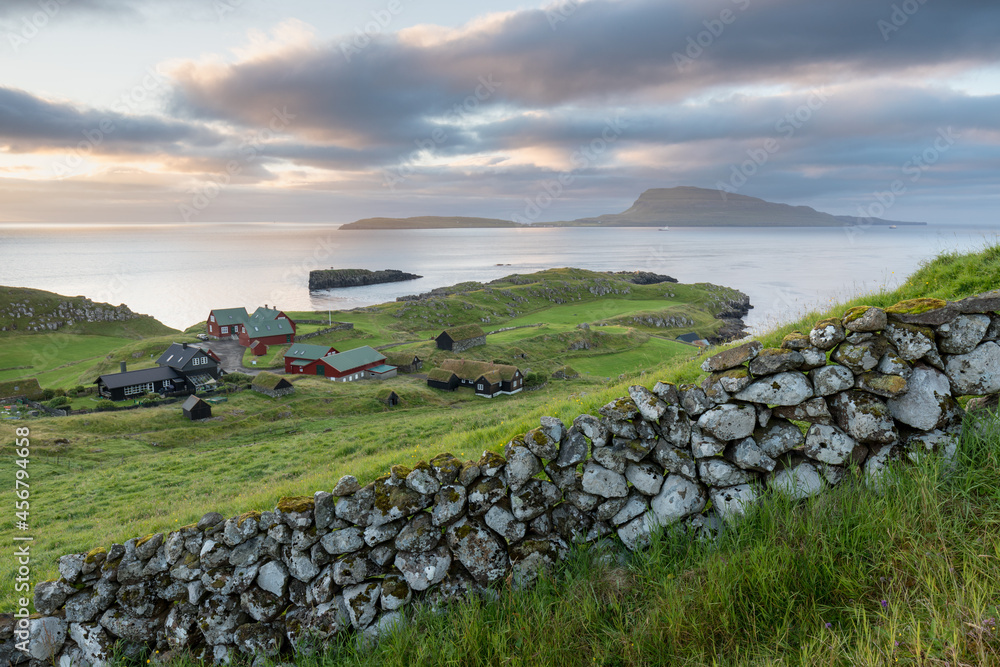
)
(317, 111)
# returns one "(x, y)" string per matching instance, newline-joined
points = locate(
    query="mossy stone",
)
(296, 504)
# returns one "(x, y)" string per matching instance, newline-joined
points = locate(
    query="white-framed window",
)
(211, 318)
(479, 386)
(225, 330)
(137, 389)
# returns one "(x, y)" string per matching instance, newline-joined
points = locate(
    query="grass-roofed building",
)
(12, 390)
(486, 379)
(271, 385)
(460, 339)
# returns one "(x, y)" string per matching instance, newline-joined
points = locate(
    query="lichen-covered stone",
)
(500, 519)
(963, 334)
(864, 417)
(860, 357)
(732, 502)
(832, 445)
(356, 507)
(814, 411)
(612, 458)
(826, 334)
(637, 534)
(522, 463)
(419, 535)
(732, 358)
(362, 603)
(667, 392)
(746, 454)
(395, 593)
(791, 388)
(609, 507)
(121, 625)
(650, 406)
(646, 477)
(812, 357)
(975, 373)
(675, 460)
(911, 341)
(924, 311)
(532, 557)
(50, 595)
(446, 468)
(878, 465)
(729, 422)
(880, 384)
(704, 444)
(485, 493)
(423, 569)
(273, 578)
(798, 482)
(600, 481)
(830, 380)
(423, 479)
(865, 318)
(395, 502)
(481, 552)
(541, 444)
(45, 637)
(592, 428)
(636, 504)
(533, 499)
(383, 533)
(679, 497)
(796, 341)
(573, 449)
(733, 380)
(693, 399)
(772, 360)
(718, 472)
(449, 504)
(927, 402)
(620, 410)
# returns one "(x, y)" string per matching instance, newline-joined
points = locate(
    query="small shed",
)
(258, 348)
(389, 397)
(460, 339)
(195, 408)
(271, 385)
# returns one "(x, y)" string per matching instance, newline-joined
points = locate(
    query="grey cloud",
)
(28, 122)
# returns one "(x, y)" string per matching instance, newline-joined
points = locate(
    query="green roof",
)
(302, 362)
(261, 327)
(307, 352)
(359, 356)
(231, 315)
(468, 369)
(265, 380)
(24, 387)
(439, 375)
(382, 368)
(464, 332)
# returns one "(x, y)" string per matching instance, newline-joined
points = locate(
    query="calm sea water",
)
(177, 273)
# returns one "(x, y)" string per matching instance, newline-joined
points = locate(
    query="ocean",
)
(177, 273)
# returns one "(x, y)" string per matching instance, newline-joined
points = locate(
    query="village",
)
(193, 368)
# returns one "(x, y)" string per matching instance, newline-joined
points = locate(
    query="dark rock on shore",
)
(330, 278)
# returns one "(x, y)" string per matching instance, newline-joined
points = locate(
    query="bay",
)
(177, 273)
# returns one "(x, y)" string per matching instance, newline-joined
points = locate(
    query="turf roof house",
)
(303, 359)
(357, 364)
(198, 367)
(486, 379)
(460, 339)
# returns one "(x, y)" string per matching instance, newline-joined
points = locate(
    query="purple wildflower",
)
(885, 604)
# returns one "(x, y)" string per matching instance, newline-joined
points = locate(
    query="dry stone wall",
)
(854, 393)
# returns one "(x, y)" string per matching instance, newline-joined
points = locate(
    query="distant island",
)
(332, 278)
(429, 222)
(683, 206)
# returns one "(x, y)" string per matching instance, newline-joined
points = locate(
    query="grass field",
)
(64, 355)
(651, 354)
(929, 547)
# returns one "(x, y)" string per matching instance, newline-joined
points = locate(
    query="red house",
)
(269, 326)
(303, 359)
(234, 323)
(226, 322)
(357, 364)
(258, 348)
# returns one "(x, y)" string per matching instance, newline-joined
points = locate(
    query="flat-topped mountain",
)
(683, 206)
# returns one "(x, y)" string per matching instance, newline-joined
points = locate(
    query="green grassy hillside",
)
(929, 548)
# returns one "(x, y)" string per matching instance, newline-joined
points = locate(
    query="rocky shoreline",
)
(335, 278)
